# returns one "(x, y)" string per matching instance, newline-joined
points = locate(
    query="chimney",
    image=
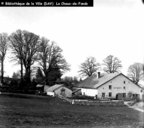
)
(99, 75)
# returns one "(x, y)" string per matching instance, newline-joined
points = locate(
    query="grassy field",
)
(46, 112)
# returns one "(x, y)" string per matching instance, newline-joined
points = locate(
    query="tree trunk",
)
(21, 71)
(2, 71)
(28, 75)
(45, 71)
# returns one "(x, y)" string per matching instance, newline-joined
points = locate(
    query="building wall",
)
(46, 87)
(89, 92)
(119, 85)
(67, 93)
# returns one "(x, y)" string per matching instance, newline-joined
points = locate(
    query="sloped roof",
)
(39, 85)
(94, 82)
(54, 87)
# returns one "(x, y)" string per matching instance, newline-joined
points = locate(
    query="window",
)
(124, 87)
(103, 95)
(110, 94)
(62, 92)
(124, 82)
(110, 86)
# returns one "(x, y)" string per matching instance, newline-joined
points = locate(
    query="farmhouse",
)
(113, 85)
(58, 89)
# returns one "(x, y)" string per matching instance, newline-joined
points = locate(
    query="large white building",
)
(114, 85)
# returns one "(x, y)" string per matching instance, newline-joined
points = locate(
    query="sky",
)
(111, 27)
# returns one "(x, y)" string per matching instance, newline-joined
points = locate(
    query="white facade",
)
(89, 92)
(114, 85)
(51, 94)
(120, 84)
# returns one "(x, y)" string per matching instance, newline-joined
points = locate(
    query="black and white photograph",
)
(72, 64)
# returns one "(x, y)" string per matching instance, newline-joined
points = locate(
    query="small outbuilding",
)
(58, 90)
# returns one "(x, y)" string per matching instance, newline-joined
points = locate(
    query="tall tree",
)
(39, 76)
(3, 50)
(112, 64)
(53, 74)
(25, 47)
(135, 72)
(51, 60)
(89, 67)
(17, 45)
(30, 52)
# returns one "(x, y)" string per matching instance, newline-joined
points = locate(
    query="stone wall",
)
(99, 103)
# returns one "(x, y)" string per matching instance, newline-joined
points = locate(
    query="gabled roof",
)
(54, 87)
(94, 82)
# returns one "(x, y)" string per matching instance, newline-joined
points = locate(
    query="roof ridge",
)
(94, 82)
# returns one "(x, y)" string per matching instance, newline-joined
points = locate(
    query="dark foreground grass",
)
(47, 112)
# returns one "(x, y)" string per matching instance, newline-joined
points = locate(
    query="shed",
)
(59, 90)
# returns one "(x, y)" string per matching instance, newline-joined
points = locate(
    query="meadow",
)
(47, 112)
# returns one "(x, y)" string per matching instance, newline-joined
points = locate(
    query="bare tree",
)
(44, 54)
(89, 67)
(25, 47)
(112, 64)
(135, 72)
(17, 46)
(51, 59)
(30, 50)
(3, 50)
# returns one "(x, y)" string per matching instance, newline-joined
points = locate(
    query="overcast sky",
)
(110, 27)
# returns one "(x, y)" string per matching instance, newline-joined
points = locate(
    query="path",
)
(133, 107)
